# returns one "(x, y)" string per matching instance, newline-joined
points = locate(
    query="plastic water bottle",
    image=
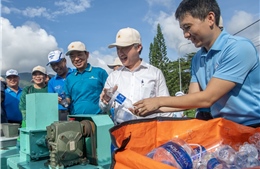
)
(247, 156)
(226, 153)
(175, 153)
(122, 114)
(64, 101)
(209, 161)
(119, 98)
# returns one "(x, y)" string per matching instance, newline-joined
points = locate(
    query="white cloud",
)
(240, 20)
(5, 10)
(32, 12)
(63, 8)
(173, 35)
(166, 3)
(100, 60)
(241, 23)
(26, 46)
(176, 42)
(71, 7)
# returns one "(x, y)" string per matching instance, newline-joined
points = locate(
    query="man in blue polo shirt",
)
(84, 85)
(58, 63)
(12, 97)
(224, 73)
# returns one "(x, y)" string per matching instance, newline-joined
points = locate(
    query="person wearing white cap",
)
(136, 79)
(116, 64)
(39, 75)
(84, 85)
(224, 72)
(12, 97)
(58, 63)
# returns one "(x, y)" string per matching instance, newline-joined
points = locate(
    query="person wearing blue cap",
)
(58, 63)
(12, 97)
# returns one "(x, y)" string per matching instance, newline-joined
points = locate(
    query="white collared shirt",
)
(145, 81)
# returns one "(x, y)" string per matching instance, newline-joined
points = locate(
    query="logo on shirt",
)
(92, 77)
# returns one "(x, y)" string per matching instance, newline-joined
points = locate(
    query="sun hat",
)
(39, 69)
(126, 37)
(76, 46)
(117, 62)
(11, 72)
(55, 56)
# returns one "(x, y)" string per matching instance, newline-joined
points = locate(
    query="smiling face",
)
(200, 32)
(129, 55)
(12, 81)
(39, 78)
(60, 67)
(79, 59)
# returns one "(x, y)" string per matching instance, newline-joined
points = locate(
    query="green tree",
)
(158, 58)
(158, 55)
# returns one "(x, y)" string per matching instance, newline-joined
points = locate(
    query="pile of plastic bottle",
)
(182, 155)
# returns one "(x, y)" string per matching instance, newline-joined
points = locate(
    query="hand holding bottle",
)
(107, 94)
(62, 100)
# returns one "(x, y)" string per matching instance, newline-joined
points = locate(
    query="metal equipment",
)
(48, 143)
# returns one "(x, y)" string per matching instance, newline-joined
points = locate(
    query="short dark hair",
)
(198, 9)
(136, 45)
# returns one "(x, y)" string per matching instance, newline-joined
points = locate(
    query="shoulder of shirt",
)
(8, 90)
(98, 68)
(26, 88)
(149, 66)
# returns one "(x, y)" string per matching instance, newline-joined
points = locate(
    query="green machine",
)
(82, 142)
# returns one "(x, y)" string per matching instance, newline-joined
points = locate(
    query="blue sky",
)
(32, 28)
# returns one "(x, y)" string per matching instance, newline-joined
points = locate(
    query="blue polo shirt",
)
(234, 59)
(84, 88)
(11, 104)
(56, 85)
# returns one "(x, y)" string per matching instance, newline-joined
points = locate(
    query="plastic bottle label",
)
(179, 154)
(212, 163)
(62, 95)
(120, 98)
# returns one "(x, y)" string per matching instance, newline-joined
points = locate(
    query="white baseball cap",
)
(126, 37)
(11, 72)
(39, 69)
(76, 46)
(117, 62)
(55, 56)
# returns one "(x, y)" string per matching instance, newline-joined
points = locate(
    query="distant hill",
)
(25, 79)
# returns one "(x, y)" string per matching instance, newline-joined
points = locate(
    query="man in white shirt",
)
(136, 79)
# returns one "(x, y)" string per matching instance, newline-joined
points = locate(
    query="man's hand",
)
(146, 107)
(104, 96)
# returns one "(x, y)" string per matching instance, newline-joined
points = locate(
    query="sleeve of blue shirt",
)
(237, 60)
(104, 77)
